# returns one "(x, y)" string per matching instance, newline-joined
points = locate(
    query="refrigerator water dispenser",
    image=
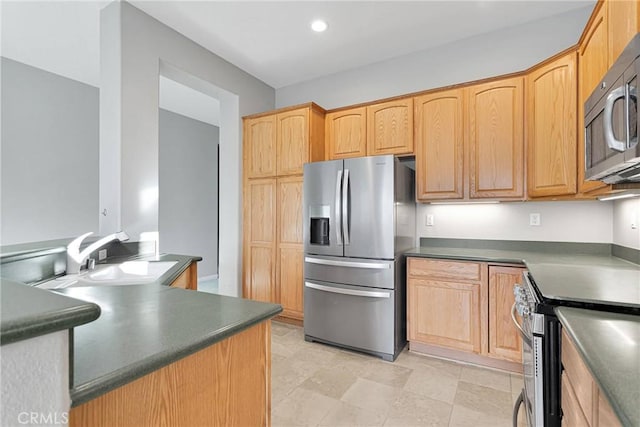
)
(319, 225)
(319, 231)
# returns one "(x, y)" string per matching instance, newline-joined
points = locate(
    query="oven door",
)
(528, 363)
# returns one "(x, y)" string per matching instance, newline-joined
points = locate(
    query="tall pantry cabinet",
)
(276, 145)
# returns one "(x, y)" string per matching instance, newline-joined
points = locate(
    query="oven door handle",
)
(523, 334)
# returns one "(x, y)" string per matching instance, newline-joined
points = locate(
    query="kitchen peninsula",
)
(163, 355)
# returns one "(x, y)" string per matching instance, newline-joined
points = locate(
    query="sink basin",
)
(127, 273)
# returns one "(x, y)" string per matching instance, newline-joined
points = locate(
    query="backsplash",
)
(625, 213)
(575, 221)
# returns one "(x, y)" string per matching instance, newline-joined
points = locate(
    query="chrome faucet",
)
(75, 258)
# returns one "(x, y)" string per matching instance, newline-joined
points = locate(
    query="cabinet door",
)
(624, 22)
(260, 239)
(445, 313)
(290, 247)
(347, 133)
(496, 139)
(551, 128)
(260, 146)
(504, 339)
(292, 140)
(390, 127)
(592, 66)
(439, 145)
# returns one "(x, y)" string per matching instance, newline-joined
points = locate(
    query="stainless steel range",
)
(541, 361)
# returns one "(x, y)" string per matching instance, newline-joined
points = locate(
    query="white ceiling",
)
(270, 40)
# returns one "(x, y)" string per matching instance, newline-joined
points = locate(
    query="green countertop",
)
(609, 344)
(145, 327)
(29, 312)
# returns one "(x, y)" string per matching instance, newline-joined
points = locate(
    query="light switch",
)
(429, 220)
(534, 219)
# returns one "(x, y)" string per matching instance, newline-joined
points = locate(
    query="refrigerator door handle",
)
(370, 294)
(370, 265)
(337, 209)
(345, 207)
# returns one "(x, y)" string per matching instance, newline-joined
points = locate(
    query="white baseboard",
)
(204, 278)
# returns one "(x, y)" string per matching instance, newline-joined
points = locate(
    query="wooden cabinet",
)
(295, 131)
(188, 279)
(384, 128)
(346, 133)
(623, 18)
(496, 139)
(593, 63)
(260, 239)
(583, 403)
(225, 384)
(260, 146)
(439, 145)
(290, 247)
(280, 143)
(390, 127)
(551, 128)
(272, 229)
(465, 307)
(504, 339)
(445, 301)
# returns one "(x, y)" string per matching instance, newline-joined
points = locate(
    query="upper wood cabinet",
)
(279, 144)
(260, 146)
(439, 145)
(390, 127)
(346, 133)
(551, 128)
(496, 139)
(504, 339)
(593, 63)
(623, 17)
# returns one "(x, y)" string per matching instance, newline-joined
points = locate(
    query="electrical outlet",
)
(534, 219)
(634, 220)
(102, 254)
(429, 220)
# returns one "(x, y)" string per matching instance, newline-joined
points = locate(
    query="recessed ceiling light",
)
(319, 25)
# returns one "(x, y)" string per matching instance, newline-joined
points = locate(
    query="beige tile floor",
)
(318, 385)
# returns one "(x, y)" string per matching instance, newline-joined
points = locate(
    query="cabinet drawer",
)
(444, 269)
(579, 376)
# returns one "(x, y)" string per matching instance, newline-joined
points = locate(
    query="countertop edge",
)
(566, 324)
(21, 329)
(519, 261)
(101, 385)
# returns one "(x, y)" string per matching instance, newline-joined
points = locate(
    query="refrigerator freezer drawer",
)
(352, 316)
(351, 271)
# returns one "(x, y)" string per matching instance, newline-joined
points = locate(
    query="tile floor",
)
(318, 385)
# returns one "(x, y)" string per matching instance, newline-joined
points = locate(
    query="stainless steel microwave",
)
(612, 153)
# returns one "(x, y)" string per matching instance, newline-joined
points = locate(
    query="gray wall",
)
(134, 49)
(487, 55)
(188, 206)
(49, 155)
(626, 223)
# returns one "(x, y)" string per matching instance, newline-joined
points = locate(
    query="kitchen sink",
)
(126, 273)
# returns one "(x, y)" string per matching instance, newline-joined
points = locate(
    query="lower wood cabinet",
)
(445, 303)
(273, 248)
(583, 404)
(188, 279)
(504, 339)
(225, 384)
(463, 306)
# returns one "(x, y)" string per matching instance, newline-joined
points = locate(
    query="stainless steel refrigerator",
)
(359, 217)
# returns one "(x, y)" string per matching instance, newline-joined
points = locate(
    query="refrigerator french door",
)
(359, 215)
